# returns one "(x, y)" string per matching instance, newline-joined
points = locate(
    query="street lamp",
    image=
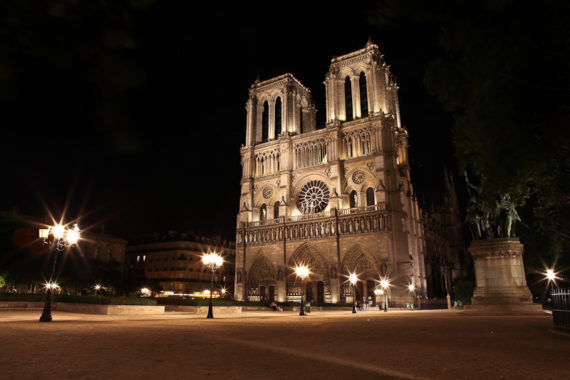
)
(60, 237)
(303, 272)
(412, 289)
(213, 261)
(97, 288)
(353, 278)
(385, 284)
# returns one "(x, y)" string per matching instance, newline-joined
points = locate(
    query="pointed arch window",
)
(265, 122)
(263, 212)
(278, 119)
(370, 197)
(363, 95)
(276, 210)
(353, 199)
(348, 98)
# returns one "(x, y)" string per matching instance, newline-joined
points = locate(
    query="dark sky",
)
(133, 113)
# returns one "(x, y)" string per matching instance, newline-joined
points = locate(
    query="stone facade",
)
(336, 198)
(172, 262)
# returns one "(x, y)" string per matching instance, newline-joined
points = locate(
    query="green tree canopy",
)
(501, 70)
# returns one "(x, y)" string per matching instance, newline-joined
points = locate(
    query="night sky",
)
(132, 113)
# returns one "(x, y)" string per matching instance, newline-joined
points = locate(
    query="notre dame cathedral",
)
(337, 199)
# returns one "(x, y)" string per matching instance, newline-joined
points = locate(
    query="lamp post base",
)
(46, 313)
(210, 312)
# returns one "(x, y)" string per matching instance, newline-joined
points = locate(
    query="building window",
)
(144, 257)
(138, 259)
(276, 210)
(278, 117)
(265, 122)
(353, 199)
(369, 197)
(363, 95)
(348, 98)
(263, 212)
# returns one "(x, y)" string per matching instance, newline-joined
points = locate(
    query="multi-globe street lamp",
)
(213, 261)
(60, 237)
(353, 278)
(302, 272)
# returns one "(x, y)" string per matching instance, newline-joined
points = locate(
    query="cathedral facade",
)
(337, 199)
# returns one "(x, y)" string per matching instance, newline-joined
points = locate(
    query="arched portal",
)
(261, 280)
(318, 280)
(364, 265)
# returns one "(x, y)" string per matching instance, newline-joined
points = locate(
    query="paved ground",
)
(266, 345)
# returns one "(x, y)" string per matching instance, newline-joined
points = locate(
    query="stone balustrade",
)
(344, 222)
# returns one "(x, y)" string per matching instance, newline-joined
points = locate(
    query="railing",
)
(321, 225)
(561, 307)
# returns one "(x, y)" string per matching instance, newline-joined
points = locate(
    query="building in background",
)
(446, 258)
(337, 198)
(26, 262)
(172, 263)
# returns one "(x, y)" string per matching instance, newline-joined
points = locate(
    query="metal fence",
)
(561, 307)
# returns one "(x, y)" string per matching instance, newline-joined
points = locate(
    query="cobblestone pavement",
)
(266, 345)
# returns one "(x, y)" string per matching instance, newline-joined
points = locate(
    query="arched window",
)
(370, 197)
(263, 212)
(363, 95)
(277, 117)
(276, 210)
(348, 98)
(353, 199)
(265, 122)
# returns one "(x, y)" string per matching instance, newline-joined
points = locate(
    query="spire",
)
(370, 42)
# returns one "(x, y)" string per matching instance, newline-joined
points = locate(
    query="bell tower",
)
(277, 106)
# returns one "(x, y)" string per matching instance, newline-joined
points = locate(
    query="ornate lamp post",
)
(302, 272)
(213, 261)
(59, 237)
(385, 284)
(353, 278)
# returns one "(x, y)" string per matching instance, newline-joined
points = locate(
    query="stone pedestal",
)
(500, 278)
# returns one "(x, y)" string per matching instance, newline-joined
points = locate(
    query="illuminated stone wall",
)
(337, 198)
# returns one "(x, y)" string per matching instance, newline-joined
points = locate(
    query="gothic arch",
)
(309, 256)
(261, 270)
(359, 261)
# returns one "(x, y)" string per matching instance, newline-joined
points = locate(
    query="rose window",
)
(358, 177)
(267, 192)
(313, 197)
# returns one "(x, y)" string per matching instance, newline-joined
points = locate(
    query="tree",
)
(501, 70)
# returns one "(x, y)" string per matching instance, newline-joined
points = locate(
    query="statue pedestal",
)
(500, 278)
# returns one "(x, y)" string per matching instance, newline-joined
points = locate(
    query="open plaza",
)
(438, 344)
